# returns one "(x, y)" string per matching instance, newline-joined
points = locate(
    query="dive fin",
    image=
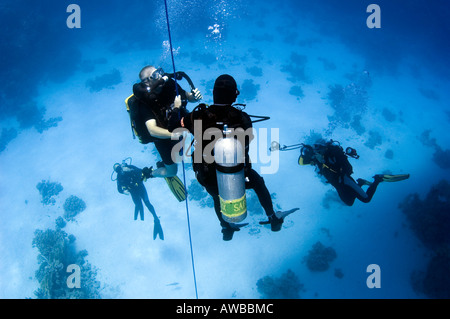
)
(228, 231)
(280, 215)
(157, 230)
(177, 187)
(394, 178)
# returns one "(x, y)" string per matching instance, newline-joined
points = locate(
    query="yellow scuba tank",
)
(229, 158)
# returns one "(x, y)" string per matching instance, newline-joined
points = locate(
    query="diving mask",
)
(156, 75)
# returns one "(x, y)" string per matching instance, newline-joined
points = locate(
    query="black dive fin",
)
(281, 215)
(157, 230)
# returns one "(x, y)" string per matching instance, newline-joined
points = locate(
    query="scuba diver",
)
(219, 180)
(156, 93)
(129, 181)
(332, 162)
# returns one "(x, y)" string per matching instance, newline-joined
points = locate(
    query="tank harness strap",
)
(329, 168)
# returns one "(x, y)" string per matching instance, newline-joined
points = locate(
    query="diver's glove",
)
(196, 94)
(147, 173)
(177, 102)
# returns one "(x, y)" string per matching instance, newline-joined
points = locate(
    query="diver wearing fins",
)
(221, 117)
(129, 181)
(332, 162)
(157, 91)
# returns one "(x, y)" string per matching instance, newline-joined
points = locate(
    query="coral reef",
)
(207, 59)
(313, 138)
(435, 281)
(429, 219)
(88, 66)
(249, 90)
(327, 65)
(320, 257)
(374, 140)
(389, 154)
(296, 68)
(48, 191)
(287, 286)
(197, 193)
(429, 94)
(357, 125)
(338, 273)
(72, 207)
(388, 115)
(7, 136)
(349, 102)
(297, 91)
(331, 199)
(56, 252)
(44, 125)
(441, 157)
(254, 206)
(105, 81)
(255, 71)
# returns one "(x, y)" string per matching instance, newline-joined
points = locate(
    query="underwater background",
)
(314, 67)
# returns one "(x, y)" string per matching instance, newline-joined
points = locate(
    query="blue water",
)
(313, 67)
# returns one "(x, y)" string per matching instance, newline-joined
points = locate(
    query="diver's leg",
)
(166, 171)
(138, 208)
(372, 189)
(346, 194)
(170, 168)
(256, 182)
(144, 196)
(359, 193)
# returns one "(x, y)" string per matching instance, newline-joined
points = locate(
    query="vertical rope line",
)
(184, 172)
(171, 48)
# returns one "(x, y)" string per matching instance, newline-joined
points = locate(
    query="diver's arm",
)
(157, 131)
(119, 188)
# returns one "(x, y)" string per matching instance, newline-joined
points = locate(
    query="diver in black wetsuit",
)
(129, 179)
(215, 116)
(156, 92)
(332, 163)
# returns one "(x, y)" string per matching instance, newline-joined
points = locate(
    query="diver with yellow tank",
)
(228, 173)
